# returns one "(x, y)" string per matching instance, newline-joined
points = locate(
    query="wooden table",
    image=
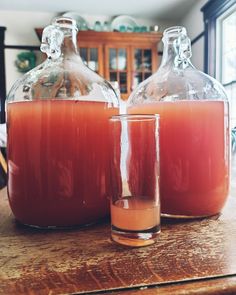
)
(191, 257)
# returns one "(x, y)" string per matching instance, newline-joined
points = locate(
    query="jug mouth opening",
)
(172, 33)
(65, 22)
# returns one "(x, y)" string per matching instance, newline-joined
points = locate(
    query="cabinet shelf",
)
(107, 43)
(118, 71)
(143, 71)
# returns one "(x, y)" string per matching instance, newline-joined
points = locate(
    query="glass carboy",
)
(58, 151)
(194, 131)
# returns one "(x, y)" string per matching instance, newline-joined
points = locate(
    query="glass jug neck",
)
(59, 39)
(69, 44)
(177, 48)
(169, 54)
(69, 29)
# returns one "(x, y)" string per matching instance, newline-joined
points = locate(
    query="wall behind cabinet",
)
(20, 31)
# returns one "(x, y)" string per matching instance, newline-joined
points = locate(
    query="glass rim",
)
(135, 117)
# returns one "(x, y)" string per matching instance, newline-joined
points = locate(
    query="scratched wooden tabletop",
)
(191, 257)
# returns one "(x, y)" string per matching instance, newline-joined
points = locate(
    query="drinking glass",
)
(135, 206)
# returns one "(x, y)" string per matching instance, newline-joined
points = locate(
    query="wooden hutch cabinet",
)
(128, 58)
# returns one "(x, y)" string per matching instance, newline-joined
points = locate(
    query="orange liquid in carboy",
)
(58, 161)
(194, 155)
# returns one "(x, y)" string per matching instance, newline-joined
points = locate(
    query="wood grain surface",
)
(85, 260)
(218, 286)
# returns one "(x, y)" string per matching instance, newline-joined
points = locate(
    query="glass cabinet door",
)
(118, 67)
(90, 57)
(142, 65)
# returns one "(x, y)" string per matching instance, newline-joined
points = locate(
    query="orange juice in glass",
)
(135, 207)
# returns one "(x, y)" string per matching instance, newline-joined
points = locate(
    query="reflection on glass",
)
(83, 54)
(123, 82)
(143, 60)
(113, 76)
(147, 59)
(123, 88)
(137, 59)
(93, 59)
(121, 59)
(147, 75)
(94, 54)
(136, 80)
(112, 59)
(123, 78)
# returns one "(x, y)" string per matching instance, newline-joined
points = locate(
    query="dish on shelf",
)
(80, 21)
(124, 22)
